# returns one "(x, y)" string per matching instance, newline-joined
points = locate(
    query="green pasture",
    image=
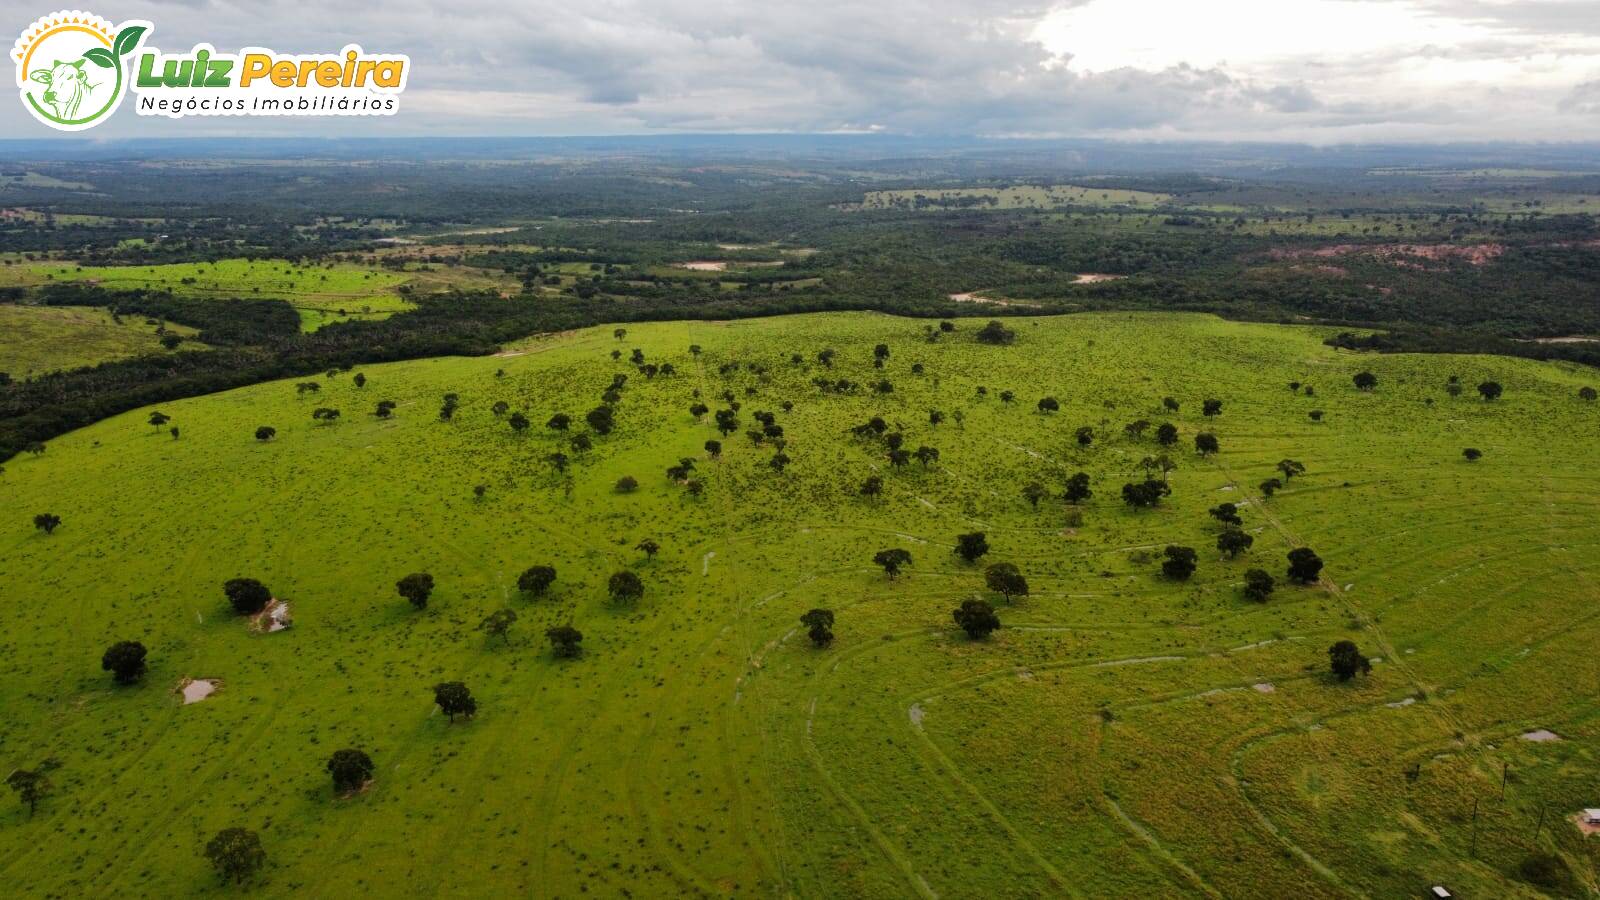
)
(1121, 735)
(322, 293)
(39, 339)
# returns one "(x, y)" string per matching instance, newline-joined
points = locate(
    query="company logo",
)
(73, 69)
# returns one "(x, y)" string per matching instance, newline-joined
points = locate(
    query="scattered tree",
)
(30, 786)
(498, 624)
(247, 595)
(1227, 514)
(266, 433)
(625, 587)
(648, 547)
(819, 626)
(1048, 405)
(1033, 492)
(1490, 390)
(1145, 494)
(125, 661)
(47, 522)
(536, 580)
(1205, 443)
(1587, 394)
(1167, 434)
(1347, 661)
(565, 641)
(1365, 381)
(892, 561)
(351, 769)
(872, 486)
(1270, 487)
(996, 333)
(1078, 489)
(1304, 565)
(972, 546)
(1004, 579)
(976, 617)
(1211, 408)
(1258, 585)
(1233, 541)
(236, 854)
(158, 419)
(1180, 562)
(1085, 436)
(1472, 454)
(416, 588)
(1290, 468)
(518, 422)
(453, 699)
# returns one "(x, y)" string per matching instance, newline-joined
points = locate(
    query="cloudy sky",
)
(1324, 71)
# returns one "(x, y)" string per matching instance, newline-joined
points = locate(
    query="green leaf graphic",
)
(128, 38)
(100, 56)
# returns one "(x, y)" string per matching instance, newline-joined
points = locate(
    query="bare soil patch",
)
(1541, 735)
(275, 617)
(193, 690)
(704, 265)
(1095, 278)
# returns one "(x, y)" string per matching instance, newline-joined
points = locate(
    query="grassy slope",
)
(39, 339)
(700, 746)
(322, 294)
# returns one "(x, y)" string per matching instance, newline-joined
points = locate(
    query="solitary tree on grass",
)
(1304, 565)
(1232, 542)
(1179, 564)
(350, 768)
(625, 587)
(1004, 579)
(1078, 489)
(1227, 514)
(1167, 434)
(266, 433)
(819, 626)
(417, 588)
(976, 617)
(518, 422)
(158, 419)
(971, 546)
(1346, 660)
(47, 522)
(892, 561)
(1205, 443)
(125, 661)
(1365, 381)
(648, 547)
(236, 854)
(30, 786)
(1472, 454)
(498, 624)
(566, 642)
(1211, 408)
(1258, 585)
(1290, 468)
(454, 699)
(1490, 390)
(1033, 492)
(247, 595)
(536, 580)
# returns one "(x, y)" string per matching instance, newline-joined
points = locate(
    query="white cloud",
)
(1322, 70)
